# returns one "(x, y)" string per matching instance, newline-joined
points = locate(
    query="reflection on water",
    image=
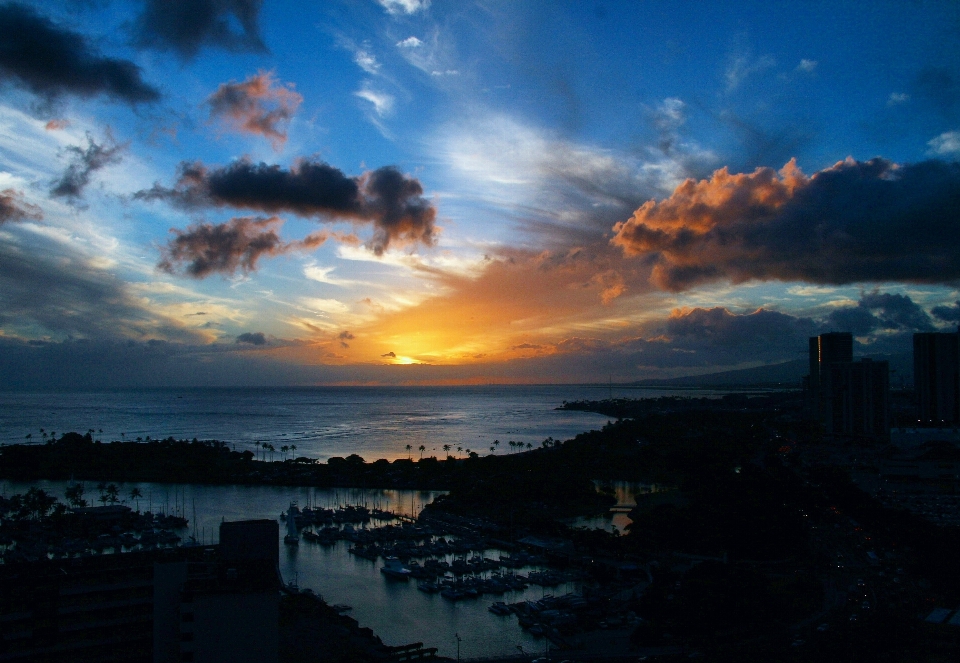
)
(626, 493)
(396, 611)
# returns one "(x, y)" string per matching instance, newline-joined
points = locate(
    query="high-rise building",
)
(849, 398)
(825, 349)
(859, 402)
(936, 377)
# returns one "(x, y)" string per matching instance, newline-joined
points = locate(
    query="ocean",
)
(374, 422)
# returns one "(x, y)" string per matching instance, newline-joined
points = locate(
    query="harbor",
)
(455, 558)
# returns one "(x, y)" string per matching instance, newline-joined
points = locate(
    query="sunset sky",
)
(235, 192)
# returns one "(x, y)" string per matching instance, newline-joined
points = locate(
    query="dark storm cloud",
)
(51, 61)
(207, 248)
(390, 354)
(880, 311)
(14, 208)
(344, 337)
(186, 26)
(947, 313)
(857, 320)
(84, 161)
(760, 331)
(253, 338)
(853, 222)
(897, 311)
(61, 295)
(393, 202)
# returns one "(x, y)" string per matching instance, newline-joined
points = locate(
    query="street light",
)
(457, 636)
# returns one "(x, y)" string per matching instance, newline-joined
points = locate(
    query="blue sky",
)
(403, 191)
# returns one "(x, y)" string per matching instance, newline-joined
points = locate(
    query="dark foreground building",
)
(849, 398)
(936, 378)
(210, 603)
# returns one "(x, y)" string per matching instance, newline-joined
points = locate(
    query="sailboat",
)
(292, 538)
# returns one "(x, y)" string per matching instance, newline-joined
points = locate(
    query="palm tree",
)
(496, 443)
(293, 451)
(422, 449)
(446, 449)
(512, 444)
(74, 495)
(135, 494)
(257, 445)
(284, 449)
(409, 448)
(529, 445)
(113, 493)
(459, 451)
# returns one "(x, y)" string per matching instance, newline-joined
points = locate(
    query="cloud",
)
(253, 338)
(399, 7)
(366, 61)
(393, 202)
(946, 144)
(853, 222)
(186, 26)
(85, 161)
(763, 332)
(897, 98)
(56, 125)
(47, 292)
(947, 313)
(258, 105)
(206, 248)
(382, 102)
(410, 42)
(51, 61)
(14, 208)
(742, 66)
(881, 311)
(344, 337)
(392, 355)
(807, 66)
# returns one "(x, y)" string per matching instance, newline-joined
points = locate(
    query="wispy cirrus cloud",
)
(404, 7)
(381, 102)
(259, 105)
(742, 66)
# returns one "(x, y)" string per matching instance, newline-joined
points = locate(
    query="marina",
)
(454, 578)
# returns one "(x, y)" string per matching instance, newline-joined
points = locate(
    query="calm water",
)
(375, 422)
(325, 422)
(396, 611)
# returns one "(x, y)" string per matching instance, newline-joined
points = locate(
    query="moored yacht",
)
(394, 568)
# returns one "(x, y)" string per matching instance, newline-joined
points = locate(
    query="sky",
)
(246, 192)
